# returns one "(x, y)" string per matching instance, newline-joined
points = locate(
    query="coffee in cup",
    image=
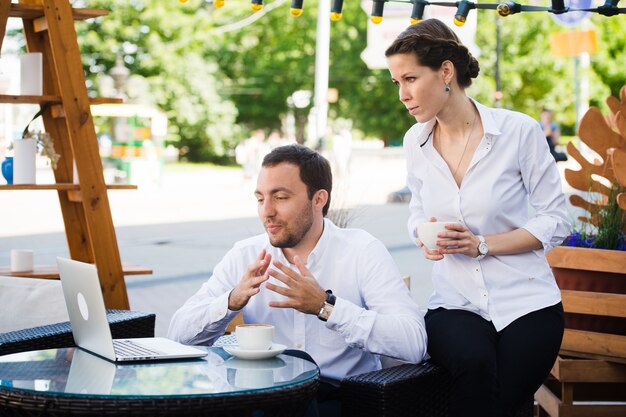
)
(427, 233)
(254, 336)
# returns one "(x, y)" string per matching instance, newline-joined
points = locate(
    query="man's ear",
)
(320, 198)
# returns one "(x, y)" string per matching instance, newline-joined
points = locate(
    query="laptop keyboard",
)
(128, 348)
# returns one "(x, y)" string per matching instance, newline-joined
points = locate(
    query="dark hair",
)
(315, 170)
(433, 42)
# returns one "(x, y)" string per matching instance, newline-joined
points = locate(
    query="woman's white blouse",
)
(511, 168)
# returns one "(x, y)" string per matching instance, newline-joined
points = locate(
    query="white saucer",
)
(236, 351)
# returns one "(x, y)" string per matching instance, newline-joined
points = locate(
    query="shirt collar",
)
(490, 126)
(323, 242)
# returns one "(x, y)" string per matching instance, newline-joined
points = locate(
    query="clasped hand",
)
(461, 241)
(301, 288)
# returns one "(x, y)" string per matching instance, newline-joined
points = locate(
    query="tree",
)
(167, 45)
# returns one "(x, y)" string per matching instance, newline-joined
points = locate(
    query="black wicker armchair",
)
(123, 323)
(402, 391)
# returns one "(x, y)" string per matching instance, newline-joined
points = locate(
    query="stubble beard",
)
(292, 236)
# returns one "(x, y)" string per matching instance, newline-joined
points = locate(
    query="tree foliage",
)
(216, 84)
(167, 45)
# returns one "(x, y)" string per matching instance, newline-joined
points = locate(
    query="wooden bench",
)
(589, 376)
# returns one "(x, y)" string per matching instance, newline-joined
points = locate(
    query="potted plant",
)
(593, 258)
(25, 149)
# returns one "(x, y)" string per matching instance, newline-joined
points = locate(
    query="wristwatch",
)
(327, 307)
(483, 248)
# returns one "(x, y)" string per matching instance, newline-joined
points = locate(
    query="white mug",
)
(427, 233)
(254, 336)
(21, 260)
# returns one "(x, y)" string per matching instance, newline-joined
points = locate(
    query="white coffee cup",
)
(21, 260)
(427, 233)
(254, 336)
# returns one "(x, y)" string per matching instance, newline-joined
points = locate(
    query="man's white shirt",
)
(373, 314)
(511, 168)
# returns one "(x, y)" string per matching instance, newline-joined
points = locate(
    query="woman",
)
(495, 319)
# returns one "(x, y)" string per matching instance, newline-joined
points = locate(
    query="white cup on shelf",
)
(31, 68)
(22, 260)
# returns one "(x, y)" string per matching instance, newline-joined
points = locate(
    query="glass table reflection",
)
(79, 383)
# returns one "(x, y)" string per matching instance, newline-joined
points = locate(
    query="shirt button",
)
(299, 346)
(477, 269)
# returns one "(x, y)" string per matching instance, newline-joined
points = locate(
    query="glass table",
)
(73, 382)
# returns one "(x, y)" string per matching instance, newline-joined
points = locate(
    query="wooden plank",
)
(588, 370)
(548, 401)
(34, 11)
(53, 99)
(594, 410)
(607, 345)
(588, 260)
(51, 271)
(5, 9)
(595, 303)
(76, 196)
(62, 186)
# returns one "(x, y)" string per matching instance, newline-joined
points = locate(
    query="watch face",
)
(328, 308)
(483, 248)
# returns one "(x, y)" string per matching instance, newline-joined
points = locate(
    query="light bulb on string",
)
(377, 11)
(417, 13)
(218, 4)
(508, 7)
(461, 12)
(256, 5)
(336, 10)
(296, 8)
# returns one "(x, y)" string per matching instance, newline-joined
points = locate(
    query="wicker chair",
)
(404, 390)
(124, 324)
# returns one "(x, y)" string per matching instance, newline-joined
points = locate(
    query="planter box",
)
(593, 287)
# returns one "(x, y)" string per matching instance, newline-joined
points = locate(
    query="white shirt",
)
(511, 167)
(374, 312)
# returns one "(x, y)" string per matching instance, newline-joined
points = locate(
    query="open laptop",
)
(85, 306)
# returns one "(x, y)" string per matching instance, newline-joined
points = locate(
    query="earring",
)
(447, 88)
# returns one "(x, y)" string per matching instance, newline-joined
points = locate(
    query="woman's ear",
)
(447, 71)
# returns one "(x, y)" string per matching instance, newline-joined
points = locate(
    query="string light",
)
(296, 8)
(336, 10)
(377, 11)
(256, 5)
(609, 8)
(417, 13)
(462, 11)
(508, 7)
(558, 6)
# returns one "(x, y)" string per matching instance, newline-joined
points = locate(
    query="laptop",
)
(90, 327)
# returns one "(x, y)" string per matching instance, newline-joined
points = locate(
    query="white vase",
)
(24, 152)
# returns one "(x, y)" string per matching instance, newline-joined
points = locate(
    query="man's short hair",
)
(315, 170)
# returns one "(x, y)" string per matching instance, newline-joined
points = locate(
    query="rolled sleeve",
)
(550, 224)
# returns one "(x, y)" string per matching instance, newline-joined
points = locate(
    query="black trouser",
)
(493, 372)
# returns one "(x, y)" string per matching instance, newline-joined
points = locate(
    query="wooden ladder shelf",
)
(49, 29)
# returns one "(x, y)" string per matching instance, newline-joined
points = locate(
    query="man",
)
(285, 277)
(552, 131)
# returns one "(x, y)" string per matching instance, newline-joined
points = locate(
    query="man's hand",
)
(250, 284)
(302, 290)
